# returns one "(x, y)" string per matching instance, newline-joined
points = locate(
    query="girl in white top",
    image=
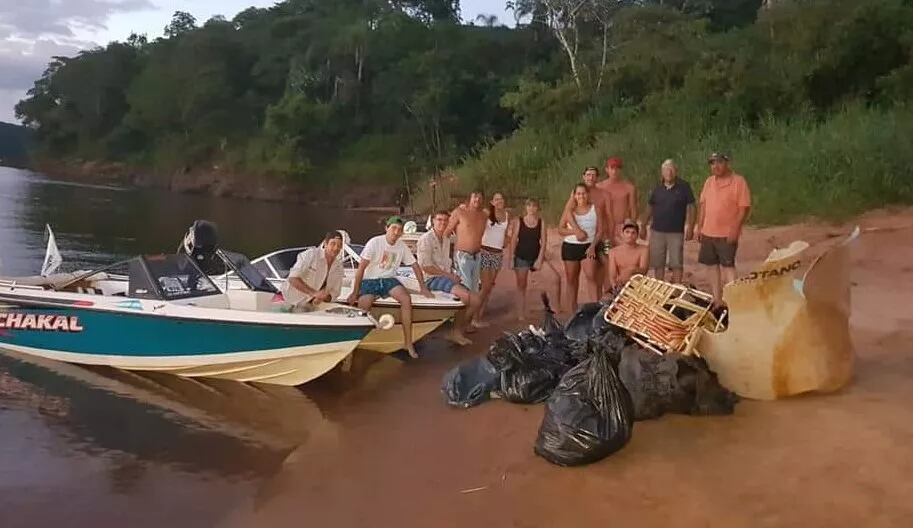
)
(492, 256)
(578, 251)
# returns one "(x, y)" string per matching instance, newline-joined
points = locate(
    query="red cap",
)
(614, 162)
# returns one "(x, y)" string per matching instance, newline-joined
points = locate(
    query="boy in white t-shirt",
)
(376, 276)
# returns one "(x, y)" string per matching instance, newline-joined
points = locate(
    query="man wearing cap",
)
(724, 206)
(433, 251)
(622, 196)
(671, 218)
(626, 259)
(376, 276)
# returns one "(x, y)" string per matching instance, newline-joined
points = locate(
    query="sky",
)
(32, 31)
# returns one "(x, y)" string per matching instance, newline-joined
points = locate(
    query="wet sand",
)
(401, 457)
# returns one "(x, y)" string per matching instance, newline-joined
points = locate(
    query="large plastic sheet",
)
(786, 336)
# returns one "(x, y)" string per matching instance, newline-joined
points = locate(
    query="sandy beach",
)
(403, 458)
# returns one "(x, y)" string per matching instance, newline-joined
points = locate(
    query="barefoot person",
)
(627, 259)
(579, 247)
(622, 196)
(468, 222)
(528, 240)
(671, 218)
(725, 203)
(604, 208)
(433, 250)
(316, 276)
(376, 276)
(494, 239)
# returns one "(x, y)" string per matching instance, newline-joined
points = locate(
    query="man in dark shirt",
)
(671, 208)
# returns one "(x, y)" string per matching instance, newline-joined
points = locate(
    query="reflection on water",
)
(99, 224)
(104, 435)
(101, 447)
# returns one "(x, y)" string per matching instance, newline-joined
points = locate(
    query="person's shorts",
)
(467, 267)
(523, 264)
(717, 251)
(378, 287)
(573, 252)
(492, 260)
(667, 250)
(440, 283)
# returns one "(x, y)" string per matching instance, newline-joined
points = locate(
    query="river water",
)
(101, 447)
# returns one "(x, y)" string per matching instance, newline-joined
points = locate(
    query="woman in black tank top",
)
(529, 238)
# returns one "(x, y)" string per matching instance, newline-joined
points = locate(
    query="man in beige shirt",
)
(433, 251)
(316, 276)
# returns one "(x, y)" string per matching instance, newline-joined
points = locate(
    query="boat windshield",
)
(168, 278)
(244, 270)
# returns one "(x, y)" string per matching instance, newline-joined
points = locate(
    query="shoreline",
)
(218, 182)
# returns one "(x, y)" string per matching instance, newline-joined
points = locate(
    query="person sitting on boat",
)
(317, 274)
(433, 250)
(376, 276)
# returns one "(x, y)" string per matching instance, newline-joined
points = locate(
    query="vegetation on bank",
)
(812, 100)
(13, 145)
(811, 97)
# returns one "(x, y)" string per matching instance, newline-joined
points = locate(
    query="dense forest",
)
(810, 96)
(13, 145)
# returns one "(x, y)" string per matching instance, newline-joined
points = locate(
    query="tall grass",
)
(856, 159)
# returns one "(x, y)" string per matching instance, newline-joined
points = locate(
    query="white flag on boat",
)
(52, 257)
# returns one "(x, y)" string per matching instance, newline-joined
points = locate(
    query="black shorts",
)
(573, 252)
(716, 251)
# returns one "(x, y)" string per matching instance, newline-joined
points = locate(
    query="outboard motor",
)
(200, 243)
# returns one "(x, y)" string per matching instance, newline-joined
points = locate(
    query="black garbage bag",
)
(651, 379)
(588, 417)
(528, 375)
(470, 383)
(699, 391)
(528, 384)
(550, 323)
(582, 325)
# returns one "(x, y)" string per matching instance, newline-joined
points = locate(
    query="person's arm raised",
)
(452, 223)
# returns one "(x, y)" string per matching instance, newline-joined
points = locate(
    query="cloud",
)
(36, 18)
(33, 31)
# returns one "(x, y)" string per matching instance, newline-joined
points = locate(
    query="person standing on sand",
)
(433, 250)
(579, 247)
(604, 208)
(316, 276)
(528, 241)
(468, 222)
(622, 196)
(724, 205)
(494, 239)
(670, 216)
(627, 259)
(376, 276)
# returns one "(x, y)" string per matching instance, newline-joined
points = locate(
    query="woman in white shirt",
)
(492, 255)
(317, 274)
(579, 247)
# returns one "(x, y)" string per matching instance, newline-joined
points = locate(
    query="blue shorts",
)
(523, 264)
(468, 267)
(441, 283)
(378, 287)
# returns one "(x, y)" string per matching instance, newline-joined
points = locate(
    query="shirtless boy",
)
(622, 197)
(627, 259)
(468, 222)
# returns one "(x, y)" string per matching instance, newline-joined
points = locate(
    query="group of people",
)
(600, 227)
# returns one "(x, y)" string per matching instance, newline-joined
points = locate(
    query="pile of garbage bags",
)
(594, 380)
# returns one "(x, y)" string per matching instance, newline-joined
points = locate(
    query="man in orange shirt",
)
(724, 206)
(622, 198)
